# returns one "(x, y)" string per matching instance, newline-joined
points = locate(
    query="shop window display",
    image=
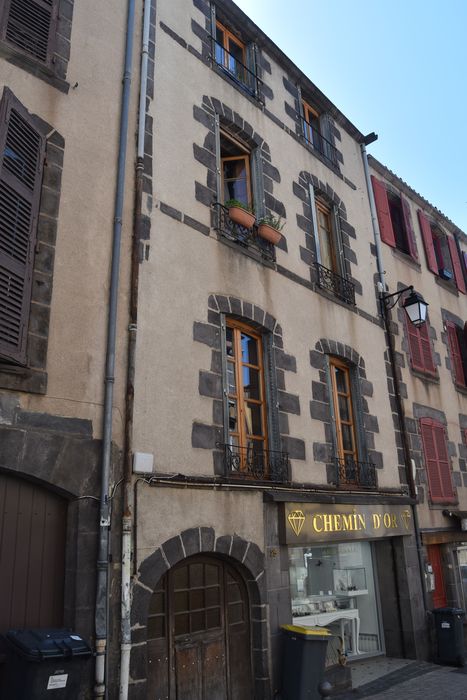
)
(333, 586)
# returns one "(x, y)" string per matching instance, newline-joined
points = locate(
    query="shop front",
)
(342, 568)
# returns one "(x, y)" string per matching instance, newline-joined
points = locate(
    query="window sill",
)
(20, 378)
(408, 259)
(249, 252)
(27, 63)
(449, 286)
(243, 89)
(461, 388)
(425, 375)
(332, 166)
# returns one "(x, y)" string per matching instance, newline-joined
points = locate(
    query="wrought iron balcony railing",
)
(350, 472)
(338, 286)
(268, 465)
(242, 75)
(317, 141)
(245, 237)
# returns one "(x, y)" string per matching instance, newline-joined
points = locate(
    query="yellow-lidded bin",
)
(303, 661)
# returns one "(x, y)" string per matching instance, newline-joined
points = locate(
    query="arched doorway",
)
(199, 644)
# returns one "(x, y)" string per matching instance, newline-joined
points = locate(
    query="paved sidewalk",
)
(418, 680)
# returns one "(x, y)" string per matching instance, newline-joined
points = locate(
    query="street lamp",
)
(414, 305)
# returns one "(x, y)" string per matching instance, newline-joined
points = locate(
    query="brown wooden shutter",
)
(427, 237)
(437, 461)
(425, 344)
(30, 25)
(22, 156)
(457, 265)
(384, 215)
(409, 229)
(456, 357)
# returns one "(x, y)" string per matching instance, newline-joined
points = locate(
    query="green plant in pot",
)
(240, 213)
(270, 228)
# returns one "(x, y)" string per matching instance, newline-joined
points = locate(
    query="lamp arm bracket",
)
(385, 298)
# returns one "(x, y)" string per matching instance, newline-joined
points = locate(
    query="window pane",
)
(249, 349)
(181, 578)
(347, 437)
(212, 574)
(251, 383)
(196, 575)
(196, 599)
(233, 416)
(232, 387)
(235, 169)
(340, 380)
(182, 624)
(236, 189)
(344, 408)
(213, 618)
(253, 419)
(235, 50)
(229, 344)
(181, 601)
(197, 621)
(212, 596)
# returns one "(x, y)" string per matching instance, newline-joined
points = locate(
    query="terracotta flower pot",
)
(242, 217)
(270, 234)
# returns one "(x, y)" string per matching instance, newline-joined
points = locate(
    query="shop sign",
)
(304, 523)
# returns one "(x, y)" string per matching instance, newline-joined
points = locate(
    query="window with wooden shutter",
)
(30, 26)
(435, 450)
(384, 215)
(420, 350)
(22, 156)
(456, 264)
(457, 352)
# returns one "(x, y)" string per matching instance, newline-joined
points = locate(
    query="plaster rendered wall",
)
(441, 394)
(88, 119)
(184, 267)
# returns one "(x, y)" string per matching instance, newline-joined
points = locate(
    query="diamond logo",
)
(296, 521)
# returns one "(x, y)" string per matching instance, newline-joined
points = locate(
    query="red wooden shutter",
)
(427, 237)
(457, 265)
(384, 215)
(409, 229)
(30, 25)
(22, 154)
(437, 461)
(455, 352)
(420, 351)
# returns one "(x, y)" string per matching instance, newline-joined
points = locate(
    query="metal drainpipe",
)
(102, 592)
(399, 402)
(128, 509)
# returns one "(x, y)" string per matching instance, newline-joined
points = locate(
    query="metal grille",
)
(235, 69)
(11, 303)
(247, 238)
(260, 464)
(317, 141)
(28, 26)
(338, 286)
(350, 472)
(22, 149)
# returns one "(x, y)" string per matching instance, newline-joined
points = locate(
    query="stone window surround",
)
(206, 436)
(33, 377)
(55, 76)
(305, 223)
(416, 450)
(233, 123)
(321, 405)
(245, 556)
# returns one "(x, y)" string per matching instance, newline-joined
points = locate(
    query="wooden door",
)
(32, 555)
(199, 634)
(439, 594)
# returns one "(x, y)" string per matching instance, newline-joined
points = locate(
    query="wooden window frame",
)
(51, 41)
(245, 158)
(238, 327)
(341, 453)
(438, 466)
(225, 44)
(327, 211)
(307, 111)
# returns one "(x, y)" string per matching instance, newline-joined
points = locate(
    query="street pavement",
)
(416, 681)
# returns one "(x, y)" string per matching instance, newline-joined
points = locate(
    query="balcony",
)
(244, 237)
(236, 70)
(350, 473)
(262, 465)
(317, 141)
(338, 286)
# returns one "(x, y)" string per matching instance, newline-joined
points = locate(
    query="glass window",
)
(334, 586)
(343, 410)
(231, 53)
(235, 171)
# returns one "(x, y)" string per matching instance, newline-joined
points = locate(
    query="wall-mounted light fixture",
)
(414, 305)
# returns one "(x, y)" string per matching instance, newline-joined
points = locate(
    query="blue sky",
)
(396, 68)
